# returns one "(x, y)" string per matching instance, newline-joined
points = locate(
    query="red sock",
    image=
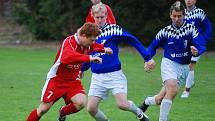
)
(33, 116)
(68, 109)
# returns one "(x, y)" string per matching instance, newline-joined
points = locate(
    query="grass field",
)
(23, 73)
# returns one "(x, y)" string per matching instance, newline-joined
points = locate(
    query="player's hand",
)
(108, 51)
(149, 65)
(194, 50)
(95, 59)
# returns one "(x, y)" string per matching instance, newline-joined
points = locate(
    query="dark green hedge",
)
(55, 19)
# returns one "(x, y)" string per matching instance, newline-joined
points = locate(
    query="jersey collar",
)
(76, 38)
(178, 27)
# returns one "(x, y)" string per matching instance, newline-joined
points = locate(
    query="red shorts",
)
(55, 88)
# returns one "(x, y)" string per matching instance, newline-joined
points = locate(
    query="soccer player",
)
(108, 76)
(179, 40)
(63, 78)
(197, 17)
(110, 17)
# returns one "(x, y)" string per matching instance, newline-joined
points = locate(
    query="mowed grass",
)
(23, 73)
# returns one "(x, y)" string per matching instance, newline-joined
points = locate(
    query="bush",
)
(51, 20)
(55, 19)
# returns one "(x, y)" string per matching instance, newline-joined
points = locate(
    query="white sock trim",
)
(150, 101)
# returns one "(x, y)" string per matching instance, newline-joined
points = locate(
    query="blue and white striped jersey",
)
(111, 35)
(176, 42)
(199, 18)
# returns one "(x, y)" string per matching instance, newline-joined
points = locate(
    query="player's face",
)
(190, 3)
(95, 1)
(100, 18)
(87, 41)
(177, 18)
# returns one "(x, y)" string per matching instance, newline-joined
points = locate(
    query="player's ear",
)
(170, 15)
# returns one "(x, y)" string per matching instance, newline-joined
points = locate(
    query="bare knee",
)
(43, 108)
(80, 104)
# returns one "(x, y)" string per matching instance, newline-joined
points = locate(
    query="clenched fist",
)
(149, 65)
(108, 51)
(95, 59)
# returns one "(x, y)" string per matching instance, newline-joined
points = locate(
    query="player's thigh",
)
(172, 88)
(51, 92)
(75, 94)
(121, 99)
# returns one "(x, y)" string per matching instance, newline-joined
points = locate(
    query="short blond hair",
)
(100, 7)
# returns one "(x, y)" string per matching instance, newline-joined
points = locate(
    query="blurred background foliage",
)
(56, 19)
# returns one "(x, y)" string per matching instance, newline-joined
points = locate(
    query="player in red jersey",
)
(110, 17)
(63, 78)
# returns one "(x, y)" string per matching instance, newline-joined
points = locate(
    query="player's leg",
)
(127, 105)
(119, 91)
(153, 100)
(172, 88)
(36, 114)
(75, 100)
(189, 80)
(170, 72)
(76, 103)
(47, 99)
(98, 91)
(93, 109)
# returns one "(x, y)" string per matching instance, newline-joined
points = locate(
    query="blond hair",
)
(100, 7)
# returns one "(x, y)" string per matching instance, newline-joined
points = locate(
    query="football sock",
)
(100, 116)
(68, 109)
(33, 116)
(133, 108)
(164, 109)
(189, 80)
(150, 101)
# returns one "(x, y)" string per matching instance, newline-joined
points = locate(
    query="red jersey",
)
(110, 17)
(70, 57)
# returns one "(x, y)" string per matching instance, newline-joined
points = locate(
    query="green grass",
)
(23, 73)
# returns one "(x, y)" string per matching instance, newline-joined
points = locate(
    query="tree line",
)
(56, 19)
